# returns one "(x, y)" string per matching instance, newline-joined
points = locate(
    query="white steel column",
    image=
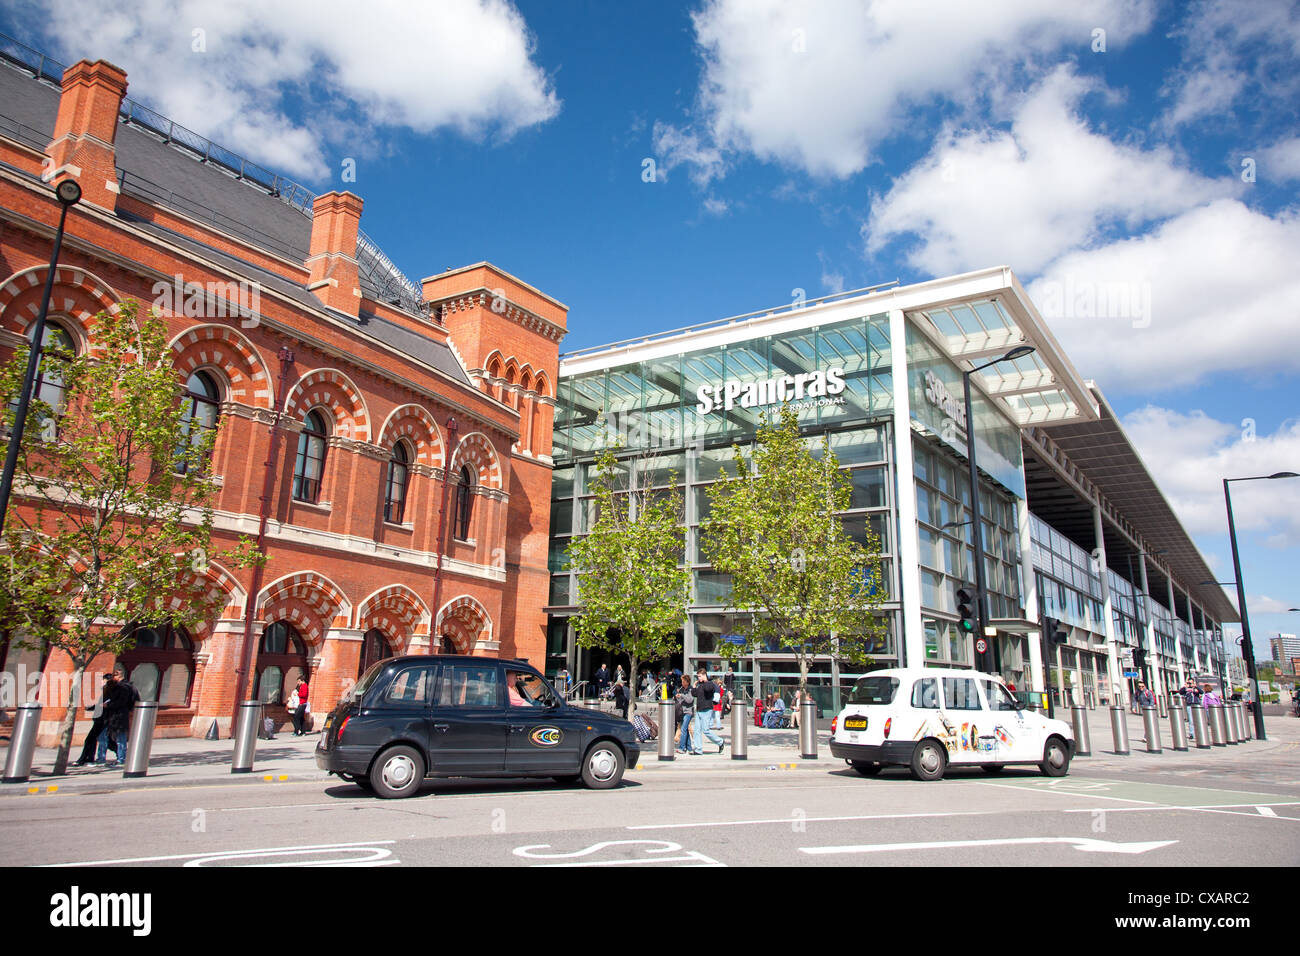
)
(1157, 678)
(1178, 643)
(911, 643)
(1029, 590)
(1116, 694)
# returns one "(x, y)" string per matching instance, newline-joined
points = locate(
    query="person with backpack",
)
(119, 701)
(705, 690)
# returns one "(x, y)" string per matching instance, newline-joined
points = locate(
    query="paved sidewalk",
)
(187, 761)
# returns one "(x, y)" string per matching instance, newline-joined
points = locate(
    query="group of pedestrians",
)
(111, 720)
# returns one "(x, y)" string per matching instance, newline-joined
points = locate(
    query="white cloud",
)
(675, 147)
(1214, 289)
(1281, 161)
(1233, 50)
(299, 84)
(714, 206)
(819, 84)
(1263, 604)
(1026, 195)
(1189, 455)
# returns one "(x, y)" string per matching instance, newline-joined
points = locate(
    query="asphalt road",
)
(1102, 814)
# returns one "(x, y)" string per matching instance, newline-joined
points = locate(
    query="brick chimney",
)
(332, 259)
(86, 130)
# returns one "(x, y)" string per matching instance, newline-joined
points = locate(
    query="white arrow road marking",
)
(265, 851)
(1079, 843)
(657, 847)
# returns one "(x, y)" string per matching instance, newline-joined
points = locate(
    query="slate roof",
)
(165, 175)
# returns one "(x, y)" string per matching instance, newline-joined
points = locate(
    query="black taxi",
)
(449, 716)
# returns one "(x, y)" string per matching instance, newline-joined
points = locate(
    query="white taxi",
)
(928, 718)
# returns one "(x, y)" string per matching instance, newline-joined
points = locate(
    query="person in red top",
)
(299, 713)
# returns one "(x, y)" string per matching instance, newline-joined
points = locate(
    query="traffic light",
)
(966, 611)
(1139, 657)
(1055, 631)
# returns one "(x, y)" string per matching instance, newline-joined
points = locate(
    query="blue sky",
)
(1147, 152)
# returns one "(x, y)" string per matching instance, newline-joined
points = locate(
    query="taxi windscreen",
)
(874, 690)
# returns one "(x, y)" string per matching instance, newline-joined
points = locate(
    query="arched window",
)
(161, 665)
(56, 347)
(281, 660)
(198, 419)
(464, 504)
(309, 465)
(399, 467)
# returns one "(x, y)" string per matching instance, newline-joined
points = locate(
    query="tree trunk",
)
(631, 686)
(69, 720)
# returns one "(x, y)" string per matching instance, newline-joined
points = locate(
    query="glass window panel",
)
(868, 487)
(562, 482)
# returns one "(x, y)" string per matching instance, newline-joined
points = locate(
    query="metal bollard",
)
(808, 730)
(1082, 741)
(1119, 729)
(1243, 720)
(739, 731)
(1218, 725)
(1151, 722)
(22, 743)
(1178, 725)
(250, 715)
(1200, 723)
(1250, 721)
(140, 740)
(667, 724)
(1230, 724)
(1164, 708)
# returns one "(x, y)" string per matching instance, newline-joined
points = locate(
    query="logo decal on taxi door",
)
(546, 736)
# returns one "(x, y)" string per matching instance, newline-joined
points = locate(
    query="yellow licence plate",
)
(855, 723)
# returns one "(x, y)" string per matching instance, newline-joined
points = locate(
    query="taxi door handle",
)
(442, 728)
(518, 728)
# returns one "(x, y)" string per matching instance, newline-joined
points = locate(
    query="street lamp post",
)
(68, 193)
(1247, 648)
(981, 598)
(434, 636)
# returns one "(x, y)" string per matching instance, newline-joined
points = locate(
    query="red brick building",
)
(243, 264)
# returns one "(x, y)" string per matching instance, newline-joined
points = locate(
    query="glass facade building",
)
(880, 378)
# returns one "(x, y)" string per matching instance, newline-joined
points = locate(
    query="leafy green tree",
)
(813, 590)
(631, 587)
(109, 529)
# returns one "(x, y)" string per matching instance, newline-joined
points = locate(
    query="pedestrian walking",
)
(1144, 696)
(89, 748)
(118, 704)
(602, 680)
(684, 710)
(705, 690)
(620, 696)
(298, 707)
(794, 709)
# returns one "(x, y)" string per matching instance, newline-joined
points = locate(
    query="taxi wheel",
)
(602, 768)
(1056, 758)
(929, 760)
(866, 767)
(397, 772)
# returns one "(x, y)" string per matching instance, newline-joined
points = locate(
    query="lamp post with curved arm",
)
(1247, 648)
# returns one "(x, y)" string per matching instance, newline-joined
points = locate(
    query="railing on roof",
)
(392, 284)
(712, 323)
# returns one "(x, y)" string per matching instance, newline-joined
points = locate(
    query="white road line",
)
(1226, 807)
(194, 856)
(1079, 843)
(1266, 811)
(790, 819)
(1070, 793)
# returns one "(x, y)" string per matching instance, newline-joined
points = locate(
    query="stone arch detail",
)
(543, 385)
(466, 622)
(219, 582)
(396, 610)
(330, 388)
(476, 451)
(311, 601)
(76, 293)
(225, 349)
(416, 425)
